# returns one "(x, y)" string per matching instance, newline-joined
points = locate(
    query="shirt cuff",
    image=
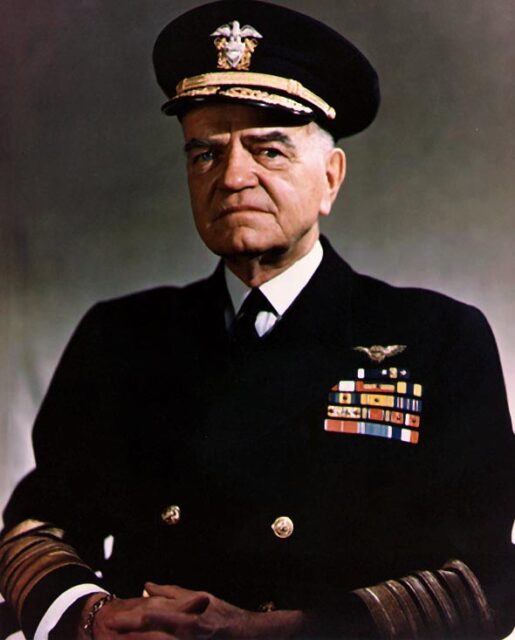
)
(60, 605)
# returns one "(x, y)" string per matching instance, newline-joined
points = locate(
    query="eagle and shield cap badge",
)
(265, 55)
(235, 45)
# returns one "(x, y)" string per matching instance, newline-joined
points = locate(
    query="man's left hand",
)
(221, 619)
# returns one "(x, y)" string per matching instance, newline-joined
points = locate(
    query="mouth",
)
(240, 208)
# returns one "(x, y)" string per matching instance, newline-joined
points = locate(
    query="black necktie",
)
(243, 330)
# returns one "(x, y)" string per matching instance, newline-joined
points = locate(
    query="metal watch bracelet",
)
(88, 626)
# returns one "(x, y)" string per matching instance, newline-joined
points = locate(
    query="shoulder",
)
(404, 302)
(439, 325)
(374, 301)
(143, 316)
(150, 305)
(156, 298)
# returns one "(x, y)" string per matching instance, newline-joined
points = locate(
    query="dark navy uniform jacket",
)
(151, 406)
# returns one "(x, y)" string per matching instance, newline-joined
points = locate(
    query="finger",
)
(197, 630)
(167, 590)
(196, 604)
(176, 622)
(153, 620)
(153, 635)
(178, 598)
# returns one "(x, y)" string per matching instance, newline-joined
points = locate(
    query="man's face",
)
(257, 188)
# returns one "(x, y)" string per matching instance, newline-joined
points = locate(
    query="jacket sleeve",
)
(473, 594)
(60, 513)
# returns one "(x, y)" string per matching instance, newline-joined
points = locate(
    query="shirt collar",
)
(282, 290)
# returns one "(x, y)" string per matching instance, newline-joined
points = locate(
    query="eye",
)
(205, 156)
(271, 152)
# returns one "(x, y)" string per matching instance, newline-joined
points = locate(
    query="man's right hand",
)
(134, 619)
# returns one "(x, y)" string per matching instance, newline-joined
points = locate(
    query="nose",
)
(238, 170)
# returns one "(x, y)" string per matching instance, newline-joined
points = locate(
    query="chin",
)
(244, 242)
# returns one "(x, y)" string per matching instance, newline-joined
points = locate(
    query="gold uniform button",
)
(171, 515)
(283, 527)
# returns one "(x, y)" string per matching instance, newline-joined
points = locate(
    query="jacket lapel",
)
(322, 312)
(257, 405)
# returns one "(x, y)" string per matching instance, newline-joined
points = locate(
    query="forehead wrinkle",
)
(272, 136)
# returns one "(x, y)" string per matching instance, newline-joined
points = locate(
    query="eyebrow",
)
(273, 136)
(200, 143)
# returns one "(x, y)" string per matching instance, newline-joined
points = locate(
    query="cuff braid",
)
(430, 604)
(28, 553)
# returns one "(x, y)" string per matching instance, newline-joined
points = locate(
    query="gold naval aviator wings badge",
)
(378, 353)
(235, 45)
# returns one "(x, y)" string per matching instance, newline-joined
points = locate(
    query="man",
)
(304, 451)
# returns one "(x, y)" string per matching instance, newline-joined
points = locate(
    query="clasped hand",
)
(175, 613)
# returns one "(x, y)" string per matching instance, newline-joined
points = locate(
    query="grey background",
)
(94, 202)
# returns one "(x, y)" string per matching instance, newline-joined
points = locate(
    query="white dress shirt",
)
(280, 291)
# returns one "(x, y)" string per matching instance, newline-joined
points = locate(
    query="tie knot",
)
(244, 327)
(254, 303)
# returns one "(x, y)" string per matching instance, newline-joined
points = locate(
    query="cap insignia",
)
(235, 45)
(377, 353)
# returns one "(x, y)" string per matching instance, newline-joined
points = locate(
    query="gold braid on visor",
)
(215, 83)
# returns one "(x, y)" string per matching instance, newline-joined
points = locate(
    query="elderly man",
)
(305, 451)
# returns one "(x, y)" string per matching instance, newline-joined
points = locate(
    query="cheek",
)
(313, 187)
(300, 199)
(198, 196)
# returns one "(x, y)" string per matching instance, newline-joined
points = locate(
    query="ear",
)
(335, 168)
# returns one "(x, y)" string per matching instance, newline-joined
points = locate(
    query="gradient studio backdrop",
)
(95, 201)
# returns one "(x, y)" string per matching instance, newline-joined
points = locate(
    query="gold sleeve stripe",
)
(463, 603)
(250, 79)
(381, 615)
(13, 552)
(472, 583)
(34, 568)
(430, 614)
(24, 527)
(400, 623)
(447, 602)
(56, 563)
(443, 599)
(28, 553)
(408, 606)
(16, 547)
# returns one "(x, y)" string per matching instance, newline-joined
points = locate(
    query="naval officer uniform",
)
(352, 458)
(272, 474)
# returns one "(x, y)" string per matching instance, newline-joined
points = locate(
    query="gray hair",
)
(327, 140)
